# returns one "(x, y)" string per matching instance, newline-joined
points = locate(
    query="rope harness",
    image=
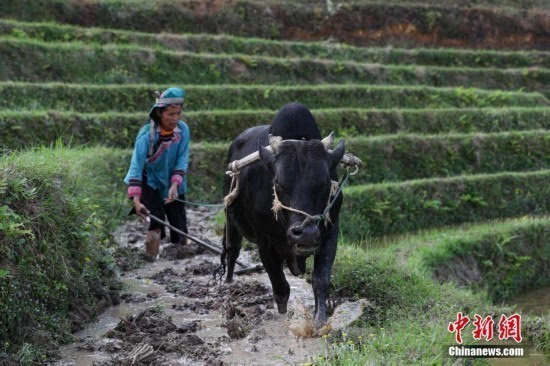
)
(234, 189)
(335, 190)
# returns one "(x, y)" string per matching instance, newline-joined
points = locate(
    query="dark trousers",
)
(175, 212)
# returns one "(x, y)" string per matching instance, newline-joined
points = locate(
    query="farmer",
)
(156, 178)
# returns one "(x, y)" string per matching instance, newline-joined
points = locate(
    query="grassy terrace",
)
(442, 24)
(391, 208)
(409, 308)
(383, 208)
(508, 257)
(398, 158)
(77, 62)
(433, 250)
(18, 128)
(403, 157)
(137, 97)
(206, 43)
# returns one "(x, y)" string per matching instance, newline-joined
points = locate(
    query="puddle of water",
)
(75, 357)
(533, 302)
(534, 358)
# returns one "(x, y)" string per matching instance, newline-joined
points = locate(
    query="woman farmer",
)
(156, 177)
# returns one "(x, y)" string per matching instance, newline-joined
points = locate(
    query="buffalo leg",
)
(273, 264)
(322, 267)
(232, 241)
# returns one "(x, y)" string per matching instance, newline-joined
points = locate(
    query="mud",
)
(172, 311)
(160, 339)
(174, 252)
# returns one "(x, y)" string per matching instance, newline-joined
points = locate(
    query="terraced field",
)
(517, 24)
(408, 113)
(448, 136)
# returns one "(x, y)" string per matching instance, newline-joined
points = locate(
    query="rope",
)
(335, 190)
(199, 204)
(234, 189)
(278, 206)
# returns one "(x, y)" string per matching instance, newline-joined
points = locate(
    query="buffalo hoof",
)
(282, 301)
(320, 321)
(282, 307)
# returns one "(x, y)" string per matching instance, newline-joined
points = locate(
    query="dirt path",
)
(173, 313)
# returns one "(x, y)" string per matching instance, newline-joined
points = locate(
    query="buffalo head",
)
(301, 173)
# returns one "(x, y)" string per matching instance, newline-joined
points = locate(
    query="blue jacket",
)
(167, 164)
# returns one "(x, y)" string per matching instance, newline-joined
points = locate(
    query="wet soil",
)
(173, 312)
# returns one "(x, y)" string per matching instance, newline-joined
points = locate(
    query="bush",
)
(58, 208)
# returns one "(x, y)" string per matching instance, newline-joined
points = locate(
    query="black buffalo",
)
(301, 172)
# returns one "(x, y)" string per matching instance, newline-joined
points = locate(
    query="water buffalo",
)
(300, 174)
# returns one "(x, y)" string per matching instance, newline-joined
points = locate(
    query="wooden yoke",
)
(236, 166)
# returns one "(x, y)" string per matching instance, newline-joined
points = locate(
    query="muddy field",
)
(173, 312)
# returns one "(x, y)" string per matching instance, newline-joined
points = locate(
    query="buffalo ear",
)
(337, 154)
(266, 156)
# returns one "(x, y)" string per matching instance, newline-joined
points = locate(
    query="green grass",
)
(503, 260)
(406, 157)
(409, 313)
(206, 43)
(30, 60)
(407, 321)
(21, 128)
(386, 158)
(58, 209)
(393, 208)
(498, 257)
(130, 98)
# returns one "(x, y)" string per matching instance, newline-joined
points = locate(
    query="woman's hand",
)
(141, 210)
(172, 193)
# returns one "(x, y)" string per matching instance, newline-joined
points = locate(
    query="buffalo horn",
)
(327, 141)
